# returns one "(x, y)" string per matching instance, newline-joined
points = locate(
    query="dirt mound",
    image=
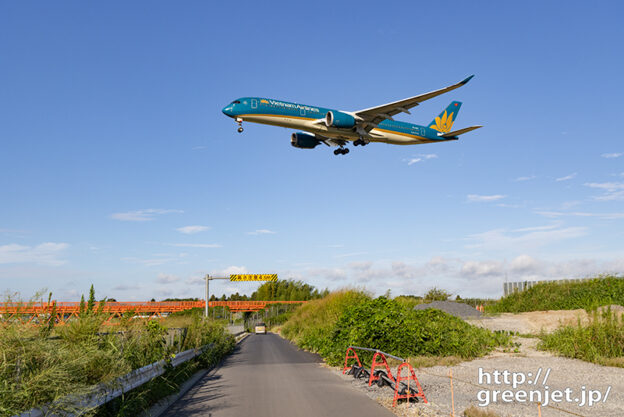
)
(533, 322)
(461, 310)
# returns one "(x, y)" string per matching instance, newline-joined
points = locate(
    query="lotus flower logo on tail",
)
(443, 123)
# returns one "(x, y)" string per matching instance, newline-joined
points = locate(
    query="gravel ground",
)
(564, 373)
(460, 310)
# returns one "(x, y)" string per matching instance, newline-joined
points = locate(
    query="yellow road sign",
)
(253, 277)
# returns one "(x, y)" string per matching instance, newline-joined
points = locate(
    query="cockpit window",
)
(236, 102)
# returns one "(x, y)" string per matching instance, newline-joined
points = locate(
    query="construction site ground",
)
(522, 358)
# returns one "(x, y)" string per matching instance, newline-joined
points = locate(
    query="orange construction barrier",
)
(347, 357)
(409, 393)
(383, 362)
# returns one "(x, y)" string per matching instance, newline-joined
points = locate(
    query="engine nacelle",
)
(339, 119)
(304, 140)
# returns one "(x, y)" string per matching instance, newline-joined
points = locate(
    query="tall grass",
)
(601, 341)
(37, 368)
(311, 322)
(346, 318)
(559, 295)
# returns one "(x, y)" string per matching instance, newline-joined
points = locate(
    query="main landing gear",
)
(240, 125)
(360, 142)
(341, 151)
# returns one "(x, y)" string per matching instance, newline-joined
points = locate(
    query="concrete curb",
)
(163, 405)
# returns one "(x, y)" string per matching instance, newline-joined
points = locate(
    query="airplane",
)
(337, 128)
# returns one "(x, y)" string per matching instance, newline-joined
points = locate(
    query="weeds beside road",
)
(38, 368)
(328, 326)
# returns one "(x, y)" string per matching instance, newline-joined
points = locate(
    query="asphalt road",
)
(267, 376)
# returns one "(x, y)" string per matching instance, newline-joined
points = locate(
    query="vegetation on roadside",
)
(328, 326)
(561, 295)
(43, 364)
(474, 411)
(601, 341)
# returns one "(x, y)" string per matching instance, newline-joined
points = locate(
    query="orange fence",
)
(29, 312)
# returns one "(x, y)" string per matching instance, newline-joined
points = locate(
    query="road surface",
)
(267, 376)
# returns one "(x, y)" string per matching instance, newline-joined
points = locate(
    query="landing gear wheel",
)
(337, 151)
(345, 151)
(240, 130)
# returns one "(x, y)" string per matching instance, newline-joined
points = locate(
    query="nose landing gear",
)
(240, 125)
(341, 151)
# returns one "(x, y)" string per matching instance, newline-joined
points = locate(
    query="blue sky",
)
(118, 168)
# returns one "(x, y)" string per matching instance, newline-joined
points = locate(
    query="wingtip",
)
(467, 79)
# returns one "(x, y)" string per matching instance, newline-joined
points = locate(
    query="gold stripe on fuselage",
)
(324, 130)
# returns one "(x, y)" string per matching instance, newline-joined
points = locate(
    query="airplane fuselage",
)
(311, 119)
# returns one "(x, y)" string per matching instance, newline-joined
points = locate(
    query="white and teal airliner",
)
(337, 127)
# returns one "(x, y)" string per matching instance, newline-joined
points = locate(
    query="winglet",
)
(466, 80)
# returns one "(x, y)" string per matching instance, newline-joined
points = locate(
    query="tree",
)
(437, 294)
(91, 302)
(82, 304)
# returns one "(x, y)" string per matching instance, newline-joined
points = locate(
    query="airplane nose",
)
(228, 111)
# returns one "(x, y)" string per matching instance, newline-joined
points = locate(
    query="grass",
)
(429, 361)
(601, 341)
(474, 411)
(40, 365)
(559, 295)
(330, 325)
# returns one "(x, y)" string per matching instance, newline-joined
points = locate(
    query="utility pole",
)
(207, 278)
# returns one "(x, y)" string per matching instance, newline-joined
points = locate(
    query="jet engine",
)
(339, 119)
(304, 140)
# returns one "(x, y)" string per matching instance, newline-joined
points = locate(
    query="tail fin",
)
(444, 122)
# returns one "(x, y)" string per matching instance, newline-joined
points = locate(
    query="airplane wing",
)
(374, 115)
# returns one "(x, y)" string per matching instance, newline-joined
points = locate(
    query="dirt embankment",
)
(534, 322)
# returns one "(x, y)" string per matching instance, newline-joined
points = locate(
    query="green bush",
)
(559, 295)
(601, 341)
(387, 325)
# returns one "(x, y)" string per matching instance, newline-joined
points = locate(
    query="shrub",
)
(559, 295)
(601, 341)
(349, 318)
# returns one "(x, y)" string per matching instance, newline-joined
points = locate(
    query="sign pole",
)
(207, 278)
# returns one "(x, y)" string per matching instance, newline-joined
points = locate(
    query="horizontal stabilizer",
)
(458, 132)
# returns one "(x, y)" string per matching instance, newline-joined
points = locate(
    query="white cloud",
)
(501, 239)
(481, 269)
(124, 287)
(536, 228)
(347, 255)
(262, 232)
(612, 190)
(189, 230)
(234, 270)
(420, 157)
(196, 245)
(476, 198)
(142, 215)
(48, 253)
(612, 155)
(156, 259)
(523, 264)
(566, 178)
(604, 216)
(167, 278)
(528, 178)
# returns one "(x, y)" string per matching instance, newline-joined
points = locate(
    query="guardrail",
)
(105, 392)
